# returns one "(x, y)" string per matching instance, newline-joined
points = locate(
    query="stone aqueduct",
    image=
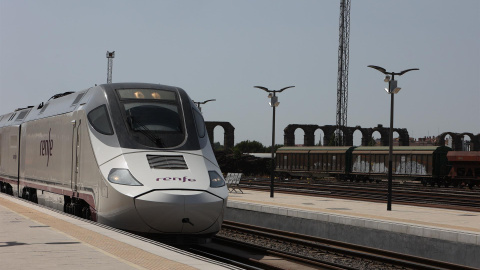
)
(329, 131)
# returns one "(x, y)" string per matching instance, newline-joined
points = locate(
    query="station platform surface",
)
(402, 218)
(33, 237)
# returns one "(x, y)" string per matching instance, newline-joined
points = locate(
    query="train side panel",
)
(406, 161)
(465, 168)
(47, 154)
(314, 161)
(9, 137)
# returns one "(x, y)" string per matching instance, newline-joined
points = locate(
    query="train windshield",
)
(154, 117)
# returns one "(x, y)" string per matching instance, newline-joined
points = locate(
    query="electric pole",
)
(342, 80)
(110, 56)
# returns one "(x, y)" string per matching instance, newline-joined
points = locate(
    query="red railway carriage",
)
(465, 167)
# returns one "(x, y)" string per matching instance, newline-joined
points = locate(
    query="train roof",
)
(64, 103)
(58, 104)
(398, 148)
(401, 149)
(318, 149)
(363, 149)
(14, 118)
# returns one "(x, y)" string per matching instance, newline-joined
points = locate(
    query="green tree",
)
(372, 142)
(333, 138)
(218, 147)
(249, 147)
(269, 149)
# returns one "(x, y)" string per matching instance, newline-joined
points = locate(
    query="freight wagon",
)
(427, 164)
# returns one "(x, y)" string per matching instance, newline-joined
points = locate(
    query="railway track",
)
(466, 200)
(266, 248)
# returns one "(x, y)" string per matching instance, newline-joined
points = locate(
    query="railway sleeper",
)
(462, 183)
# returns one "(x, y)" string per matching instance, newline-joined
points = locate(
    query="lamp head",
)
(392, 87)
(387, 78)
(274, 102)
(270, 95)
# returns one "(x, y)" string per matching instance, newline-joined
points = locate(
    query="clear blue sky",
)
(220, 49)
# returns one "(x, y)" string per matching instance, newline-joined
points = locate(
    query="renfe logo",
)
(46, 147)
(179, 179)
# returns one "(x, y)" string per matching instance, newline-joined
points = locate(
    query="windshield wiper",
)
(145, 131)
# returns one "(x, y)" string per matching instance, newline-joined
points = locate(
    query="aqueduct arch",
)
(457, 140)
(228, 137)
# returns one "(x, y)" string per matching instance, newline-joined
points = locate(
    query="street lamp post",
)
(273, 103)
(203, 102)
(392, 90)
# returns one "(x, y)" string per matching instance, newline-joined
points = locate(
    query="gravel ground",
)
(323, 255)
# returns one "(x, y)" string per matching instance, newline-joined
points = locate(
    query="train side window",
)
(100, 120)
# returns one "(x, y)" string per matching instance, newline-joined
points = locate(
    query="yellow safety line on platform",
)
(343, 213)
(125, 252)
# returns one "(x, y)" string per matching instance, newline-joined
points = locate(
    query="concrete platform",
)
(447, 235)
(32, 237)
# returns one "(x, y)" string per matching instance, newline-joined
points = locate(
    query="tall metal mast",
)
(342, 80)
(110, 56)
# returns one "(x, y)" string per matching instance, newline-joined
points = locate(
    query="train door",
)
(75, 154)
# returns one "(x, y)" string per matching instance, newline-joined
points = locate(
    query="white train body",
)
(130, 155)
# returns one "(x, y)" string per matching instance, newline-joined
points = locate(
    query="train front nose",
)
(179, 211)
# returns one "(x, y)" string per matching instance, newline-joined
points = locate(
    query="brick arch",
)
(289, 133)
(309, 137)
(229, 133)
(457, 140)
(474, 140)
(384, 134)
(403, 137)
(365, 138)
(456, 143)
(322, 128)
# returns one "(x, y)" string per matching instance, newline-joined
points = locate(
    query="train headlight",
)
(122, 177)
(216, 180)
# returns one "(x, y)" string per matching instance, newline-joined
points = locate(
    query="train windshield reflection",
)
(153, 117)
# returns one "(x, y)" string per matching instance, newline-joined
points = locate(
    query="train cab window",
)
(100, 120)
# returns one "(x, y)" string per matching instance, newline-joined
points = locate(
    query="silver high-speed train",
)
(133, 156)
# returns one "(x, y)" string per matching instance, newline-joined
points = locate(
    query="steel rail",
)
(378, 255)
(466, 201)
